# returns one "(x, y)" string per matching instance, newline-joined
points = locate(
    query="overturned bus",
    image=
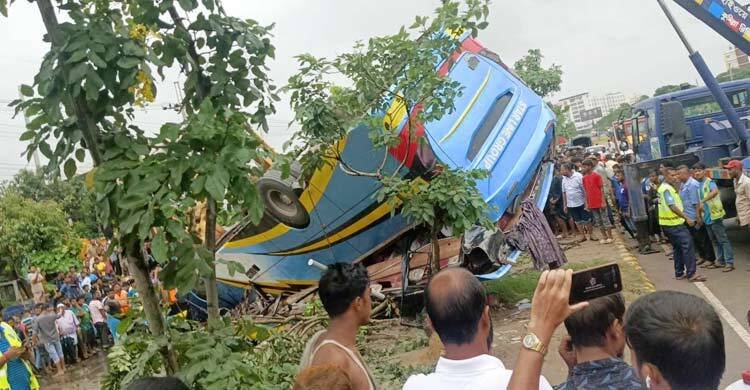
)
(499, 125)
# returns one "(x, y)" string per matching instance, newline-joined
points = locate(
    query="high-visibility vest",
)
(667, 217)
(717, 209)
(14, 342)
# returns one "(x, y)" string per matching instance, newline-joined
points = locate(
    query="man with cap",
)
(741, 190)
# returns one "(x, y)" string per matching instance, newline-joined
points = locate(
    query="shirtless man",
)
(345, 292)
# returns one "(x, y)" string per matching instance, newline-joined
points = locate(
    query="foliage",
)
(563, 125)
(390, 85)
(542, 81)
(672, 88)
(102, 64)
(622, 112)
(449, 199)
(227, 358)
(36, 233)
(76, 200)
(734, 74)
(393, 375)
(642, 98)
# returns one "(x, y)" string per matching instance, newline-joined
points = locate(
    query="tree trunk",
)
(212, 292)
(435, 258)
(156, 324)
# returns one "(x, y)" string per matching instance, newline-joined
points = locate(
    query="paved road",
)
(730, 291)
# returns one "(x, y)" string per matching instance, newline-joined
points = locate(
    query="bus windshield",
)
(705, 105)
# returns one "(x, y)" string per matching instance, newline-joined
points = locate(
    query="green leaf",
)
(27, 90)
(169, 131)
(70, 168)
(127, 224)
(159, 248)
(96, 60)
(27, 135)
(133, 201)
(80, 154)
(216, 183)
(77, 56)
(77, 72)
(188, 5)
(128, 62)
(197, 185)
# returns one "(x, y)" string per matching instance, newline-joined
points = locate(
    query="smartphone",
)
(595, 282)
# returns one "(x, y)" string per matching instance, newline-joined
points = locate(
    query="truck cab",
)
(688, 121)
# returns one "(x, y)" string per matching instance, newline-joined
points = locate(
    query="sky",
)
(602, 45)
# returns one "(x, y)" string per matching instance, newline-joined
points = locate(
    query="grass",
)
(521, 285)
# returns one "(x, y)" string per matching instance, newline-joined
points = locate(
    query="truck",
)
(706, 124)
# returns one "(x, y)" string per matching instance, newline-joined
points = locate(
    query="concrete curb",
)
(631, 260)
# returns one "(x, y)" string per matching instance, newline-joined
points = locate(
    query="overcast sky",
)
(602, 45)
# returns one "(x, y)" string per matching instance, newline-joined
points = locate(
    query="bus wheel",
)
(282, 203)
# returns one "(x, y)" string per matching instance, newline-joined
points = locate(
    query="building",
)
(584, 110)
(735, 58)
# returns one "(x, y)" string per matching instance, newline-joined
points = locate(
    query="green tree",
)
(563, 126)
(605, 122)
(542, 81)
(734, 74)
(36, 233)
(642, 98)
(383, 82)
(101, 65)
(672, 88)
(76, 200)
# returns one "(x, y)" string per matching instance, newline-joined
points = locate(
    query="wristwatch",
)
(530, 341)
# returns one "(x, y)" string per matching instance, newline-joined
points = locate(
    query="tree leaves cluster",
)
(543, 81)
(391, 84)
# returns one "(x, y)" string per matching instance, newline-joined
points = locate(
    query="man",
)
(676, 341)
(70, 289)
(593, 185)
(85, 329)
(741, 191)
(46, 333)
(713, 217)
(623, 203)
(122, 298)
(556, 204)
(99, 318)
(594, 348)
(36, 279)
(344, 290)
(690, 191)
(672, 220)
(457, 309)
(67, 325)
(574, 199)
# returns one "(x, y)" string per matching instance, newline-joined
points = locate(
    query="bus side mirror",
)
(674, 128)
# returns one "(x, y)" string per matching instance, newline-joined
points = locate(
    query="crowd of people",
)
(75, 315)
(676, 339)
(683, 205)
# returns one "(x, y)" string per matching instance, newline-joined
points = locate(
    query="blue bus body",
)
(499, 124)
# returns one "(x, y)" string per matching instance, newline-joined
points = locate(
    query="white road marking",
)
(724, 313)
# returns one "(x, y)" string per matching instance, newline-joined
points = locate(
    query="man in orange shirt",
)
(122, 298)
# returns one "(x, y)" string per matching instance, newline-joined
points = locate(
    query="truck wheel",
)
(282, 203)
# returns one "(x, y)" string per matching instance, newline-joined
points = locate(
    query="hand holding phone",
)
(595, 282)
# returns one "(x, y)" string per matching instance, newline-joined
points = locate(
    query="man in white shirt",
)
(741, 191)
(574, 200)
(458, 311)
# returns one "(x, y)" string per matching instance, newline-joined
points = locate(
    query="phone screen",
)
(595, 282)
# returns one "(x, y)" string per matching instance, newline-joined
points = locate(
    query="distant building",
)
(583, 108)
(735, 58)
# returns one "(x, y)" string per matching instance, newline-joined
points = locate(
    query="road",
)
(727, 292)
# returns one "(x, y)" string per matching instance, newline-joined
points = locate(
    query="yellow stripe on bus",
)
(468, 107)
(309, 199)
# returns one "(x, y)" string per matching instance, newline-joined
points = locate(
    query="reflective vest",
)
(717, 209)
(14, 342)
(667, 217)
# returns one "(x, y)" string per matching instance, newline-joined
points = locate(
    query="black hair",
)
(683, 166)
(340, 285)
(681, 335)
(699, 165)
(158, 383)
(455, 315)
(569, 166)
(588, 163)
(668, 164)
(576, 159)
(588, 327)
